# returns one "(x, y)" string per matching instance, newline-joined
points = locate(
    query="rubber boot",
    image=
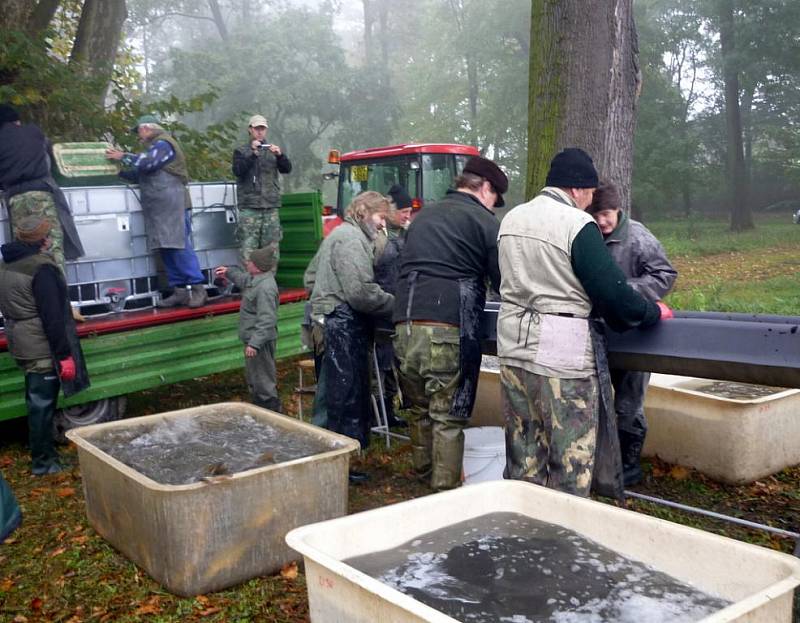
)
(41, 395)
(420, 429)
(10, 514)
(448, 456)
(391, 418)
(631, 448)
(198, 295)
(273, 404)
(179, 296)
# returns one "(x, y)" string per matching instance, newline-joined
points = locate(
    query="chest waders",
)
(346, 370)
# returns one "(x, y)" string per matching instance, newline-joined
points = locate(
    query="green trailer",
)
(130, 351)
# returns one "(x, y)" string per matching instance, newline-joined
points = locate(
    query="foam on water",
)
(183, 450)
(512, 568)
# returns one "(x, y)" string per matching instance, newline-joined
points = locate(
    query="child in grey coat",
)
(258, 323)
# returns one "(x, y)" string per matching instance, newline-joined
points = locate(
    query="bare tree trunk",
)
(583, 88)
(741, 218)
(97, 41)
(41, 16)
(216, 13)
(473, 88)
(747, 132)
(14, 14)
(369, 34)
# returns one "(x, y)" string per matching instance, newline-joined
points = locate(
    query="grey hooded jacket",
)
(642, 258)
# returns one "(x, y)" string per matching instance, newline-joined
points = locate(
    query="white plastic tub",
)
(731, 440)
(759, 581)
(200, 537)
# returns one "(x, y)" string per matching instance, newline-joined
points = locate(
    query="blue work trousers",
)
(182, 265)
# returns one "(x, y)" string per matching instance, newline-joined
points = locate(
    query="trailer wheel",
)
(106, 410)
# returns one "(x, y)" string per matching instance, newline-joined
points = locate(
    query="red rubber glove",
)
(666, 312)
(67, 369)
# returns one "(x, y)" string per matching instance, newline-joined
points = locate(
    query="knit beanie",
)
(263, 258)
(400, 197)
(572, 168)
(8, 114)
(32, 229)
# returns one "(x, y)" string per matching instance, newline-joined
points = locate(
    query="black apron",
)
(607, 475)
(346, 372)
(472, 298)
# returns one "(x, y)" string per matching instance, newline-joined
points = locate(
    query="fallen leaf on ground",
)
(65, 492)
(57, 552)
(208, 611)
(6, 584)
(679, 472)
(6, 461)
(20, 619)
(149, 608)
(36, 604)
(289, 571)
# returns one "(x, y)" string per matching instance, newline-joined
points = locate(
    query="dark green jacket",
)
(258, 313)
(257, 180)
(341, 272)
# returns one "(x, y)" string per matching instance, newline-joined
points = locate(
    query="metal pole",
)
(735, 520)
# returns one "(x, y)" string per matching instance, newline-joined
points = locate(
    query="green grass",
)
(702, 236)
(779, 295)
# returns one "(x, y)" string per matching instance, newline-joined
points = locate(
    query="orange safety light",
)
(334, 157)
(416, 204)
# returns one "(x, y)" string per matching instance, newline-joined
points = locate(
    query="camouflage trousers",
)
(258, 228)
(429, 376)
(40, 203)
(551, 429)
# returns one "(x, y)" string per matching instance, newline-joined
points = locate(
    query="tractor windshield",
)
(426, 177)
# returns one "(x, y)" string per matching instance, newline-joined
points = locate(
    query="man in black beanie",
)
(556, 274)
(450, 253)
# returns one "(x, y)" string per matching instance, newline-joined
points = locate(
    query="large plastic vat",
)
(759, 581)
(731, 440)
(200, 537)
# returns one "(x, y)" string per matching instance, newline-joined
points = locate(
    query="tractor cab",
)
(425, 170)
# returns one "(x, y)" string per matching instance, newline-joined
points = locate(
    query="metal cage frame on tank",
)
(117, 272)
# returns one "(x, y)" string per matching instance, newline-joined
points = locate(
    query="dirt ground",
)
(56, 567)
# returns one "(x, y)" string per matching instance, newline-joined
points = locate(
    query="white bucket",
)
(484, 454)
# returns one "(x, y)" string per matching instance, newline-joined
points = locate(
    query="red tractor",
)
(425, 170)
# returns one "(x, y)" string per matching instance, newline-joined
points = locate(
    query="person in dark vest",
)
(388, 246)
(257, 165)
(644, 262)
(450, 252)
(29, 187)
(163, 177)
(41, 333)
